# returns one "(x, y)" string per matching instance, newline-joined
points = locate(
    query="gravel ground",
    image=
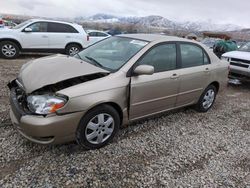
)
(177, 149)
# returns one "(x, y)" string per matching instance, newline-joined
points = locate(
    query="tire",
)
(9, 50)
(72, 49)
(207, 99)
(93, 132)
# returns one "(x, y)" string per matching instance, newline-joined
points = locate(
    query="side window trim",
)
(130, 71)
(194, 44)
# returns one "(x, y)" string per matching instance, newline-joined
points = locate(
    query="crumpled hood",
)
(53, 69)
(238, 55)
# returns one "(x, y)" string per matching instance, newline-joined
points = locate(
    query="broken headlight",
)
(45, 104)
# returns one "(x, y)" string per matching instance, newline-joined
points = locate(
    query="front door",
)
(155, 93)
(37, 38)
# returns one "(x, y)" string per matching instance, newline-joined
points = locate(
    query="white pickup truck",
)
(38, 35)
(239, 62)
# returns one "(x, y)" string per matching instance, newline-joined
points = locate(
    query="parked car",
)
(95, 36)
(87, 97)
(9, 24)
(239, 62)
(42, 36)
(1, 23)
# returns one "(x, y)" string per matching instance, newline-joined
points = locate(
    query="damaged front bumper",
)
(51, 129)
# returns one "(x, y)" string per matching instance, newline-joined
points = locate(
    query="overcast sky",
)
(218, 11)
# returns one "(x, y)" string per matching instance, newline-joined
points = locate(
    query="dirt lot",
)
(182, 148)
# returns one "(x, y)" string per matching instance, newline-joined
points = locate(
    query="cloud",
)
(223, 11)
(30, 5)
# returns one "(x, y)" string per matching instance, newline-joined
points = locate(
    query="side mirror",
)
(27, 29)
(144, 70)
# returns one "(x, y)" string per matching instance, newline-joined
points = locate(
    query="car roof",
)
(92, 30)
(154, 37)
(56, 21)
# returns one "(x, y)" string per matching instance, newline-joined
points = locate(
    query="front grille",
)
(239, 64)
(240, 60)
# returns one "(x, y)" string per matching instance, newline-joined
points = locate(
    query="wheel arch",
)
(112, 104)
(216, 84)
(12, 40)
(77, 43)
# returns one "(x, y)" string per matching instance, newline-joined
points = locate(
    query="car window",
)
(61, 28)
(38, 27)
(192, 55)
(99, 34)
(162, 58)
(92, 34)
(245, 47)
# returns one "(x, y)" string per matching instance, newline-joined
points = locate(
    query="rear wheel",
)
(98, 127)
(9, 50)
(207, 99)
(72, 49)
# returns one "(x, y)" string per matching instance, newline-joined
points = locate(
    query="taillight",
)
(87, 37)
(1, 21)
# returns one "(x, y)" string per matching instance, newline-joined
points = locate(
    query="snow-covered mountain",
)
(161, 22)
(209, 26)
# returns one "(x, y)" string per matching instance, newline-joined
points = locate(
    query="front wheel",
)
(98, 127)
(9, 50)
(207, 99)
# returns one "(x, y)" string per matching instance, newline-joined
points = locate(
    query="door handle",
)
(207, 70)
(174, 76)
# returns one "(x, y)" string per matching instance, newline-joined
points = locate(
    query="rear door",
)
(194, 73)
(155, 93)
(61, 34)
(37, 38)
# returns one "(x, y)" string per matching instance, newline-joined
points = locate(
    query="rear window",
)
(92, 34)
(99, 34)
(61, 28)
(192, 55)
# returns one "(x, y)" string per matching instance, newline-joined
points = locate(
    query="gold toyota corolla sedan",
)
(87, 97)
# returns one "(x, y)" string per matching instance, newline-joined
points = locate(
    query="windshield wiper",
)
(94, 61)
(78, 56)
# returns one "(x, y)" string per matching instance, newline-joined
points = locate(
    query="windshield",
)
(111, 54)
(245, 47)
(22, 24)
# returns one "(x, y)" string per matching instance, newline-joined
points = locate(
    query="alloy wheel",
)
(208, 99)
(8, 50)
(99, 128)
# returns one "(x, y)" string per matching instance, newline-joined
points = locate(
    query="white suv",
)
(42, 36)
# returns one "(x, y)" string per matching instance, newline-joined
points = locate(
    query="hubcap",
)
(208, 99)
(73, 51)
(99, 128)
(9, 50)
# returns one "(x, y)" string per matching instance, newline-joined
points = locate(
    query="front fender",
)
(118, 96)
